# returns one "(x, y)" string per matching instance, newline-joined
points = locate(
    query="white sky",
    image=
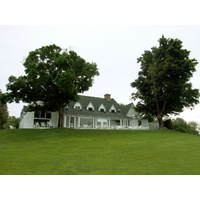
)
(114, 48)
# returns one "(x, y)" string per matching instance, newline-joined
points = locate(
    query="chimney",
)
(107, 97)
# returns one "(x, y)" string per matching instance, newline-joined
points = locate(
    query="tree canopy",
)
(3, 112)
(163, 86)
(53, 77)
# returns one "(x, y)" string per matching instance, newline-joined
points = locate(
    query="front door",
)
(72, 122)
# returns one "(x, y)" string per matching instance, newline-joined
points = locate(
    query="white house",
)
(88, 113)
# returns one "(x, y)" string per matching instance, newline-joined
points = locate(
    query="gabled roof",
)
(97, 101)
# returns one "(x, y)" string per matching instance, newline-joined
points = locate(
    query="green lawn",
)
(64, 151)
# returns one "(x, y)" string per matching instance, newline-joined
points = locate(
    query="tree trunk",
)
(61, 117)
(160, 121)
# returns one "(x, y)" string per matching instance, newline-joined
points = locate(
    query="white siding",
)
(27, 120)
(145, 124)
(54, 119)
(131, 113)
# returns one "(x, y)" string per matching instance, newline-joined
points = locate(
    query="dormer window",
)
(77, 106)
(102, 108)
(112, 109)
(90, 107)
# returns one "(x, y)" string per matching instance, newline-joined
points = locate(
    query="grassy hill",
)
(64, 151)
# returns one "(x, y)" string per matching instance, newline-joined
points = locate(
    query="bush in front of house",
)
(181, 125)
(13, 122)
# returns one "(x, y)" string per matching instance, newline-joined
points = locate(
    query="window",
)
(98, 123)
(90, 109)
(37, 114)
(102, 108)
(42, 119)
(42, 115)
(77, 106)
(86, 122)
(112, 109)
(139, 122)
(115, 122)
(48, 115)
(105, 124)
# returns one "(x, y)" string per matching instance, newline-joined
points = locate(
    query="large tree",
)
(163, 86)
(3, 111)
(53, 77)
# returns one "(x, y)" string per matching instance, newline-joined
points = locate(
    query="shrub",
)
(13, 122)
(181, 125)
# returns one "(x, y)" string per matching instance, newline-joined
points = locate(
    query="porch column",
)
(120, 122)
(93, 121)
(78, 122)
(69, 122)
(74, 122)
(65, 119)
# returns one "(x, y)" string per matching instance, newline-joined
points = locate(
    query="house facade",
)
(88, 113)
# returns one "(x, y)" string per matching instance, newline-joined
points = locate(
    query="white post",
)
(65, 118)
(93, 122)
(69, 122)
(78, 122)
(120, 122)
(74, 122)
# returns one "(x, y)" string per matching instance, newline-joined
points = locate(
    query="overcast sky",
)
(114, 48)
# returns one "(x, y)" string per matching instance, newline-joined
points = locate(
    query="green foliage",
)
(3, 112)
(194, 125)
(163, 85)
(168, 124)
(52, 76)
(181, 125)
(13, 122)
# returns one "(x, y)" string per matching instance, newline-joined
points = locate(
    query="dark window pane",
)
(37, 114)
(90, 109)
(48, 115)
(42, 115)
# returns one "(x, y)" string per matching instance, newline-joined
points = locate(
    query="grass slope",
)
(64, 151)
